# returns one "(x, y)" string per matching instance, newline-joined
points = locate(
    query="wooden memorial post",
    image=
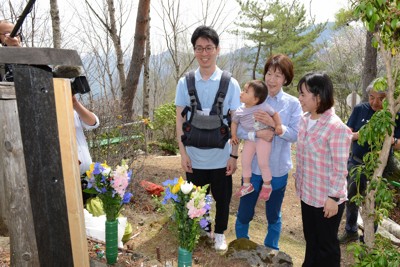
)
(48, 138)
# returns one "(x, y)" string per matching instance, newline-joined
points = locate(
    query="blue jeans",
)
(272, 209)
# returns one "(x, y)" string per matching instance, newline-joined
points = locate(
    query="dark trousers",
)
(221, 190)
(351, 207)
(320, 233)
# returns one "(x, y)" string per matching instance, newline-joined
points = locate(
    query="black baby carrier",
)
(204, 131)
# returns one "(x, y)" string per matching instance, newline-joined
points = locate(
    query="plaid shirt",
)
(321, 159)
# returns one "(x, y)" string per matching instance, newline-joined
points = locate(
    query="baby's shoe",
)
(265, 192)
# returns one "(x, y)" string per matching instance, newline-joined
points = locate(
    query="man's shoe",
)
(347, 237)
(220, 243)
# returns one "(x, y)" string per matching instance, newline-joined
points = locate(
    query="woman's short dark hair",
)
(319, 84)
(260, 90)
(205, 32)
(283, 63)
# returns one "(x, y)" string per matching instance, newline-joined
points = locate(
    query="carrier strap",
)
(217, 107)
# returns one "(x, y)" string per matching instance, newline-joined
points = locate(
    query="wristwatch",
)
(336, 199)
(233, 156)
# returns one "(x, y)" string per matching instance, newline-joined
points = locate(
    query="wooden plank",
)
(39, 56)
(39, 131)
(14, 195)
(70, 166)
(7, 90)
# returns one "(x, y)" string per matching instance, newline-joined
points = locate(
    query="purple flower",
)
(97, 168)
(129, 176)
(203, 223)
(127, 198)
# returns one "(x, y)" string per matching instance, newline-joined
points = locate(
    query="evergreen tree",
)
(276, 27)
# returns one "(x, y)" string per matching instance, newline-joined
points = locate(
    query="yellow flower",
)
(90, 171)
(146, 121)
(177, 187)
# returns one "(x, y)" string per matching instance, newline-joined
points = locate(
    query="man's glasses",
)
(208, 49)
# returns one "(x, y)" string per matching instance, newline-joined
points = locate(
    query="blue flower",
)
(127, 197)
(170, 182)
(169, 195)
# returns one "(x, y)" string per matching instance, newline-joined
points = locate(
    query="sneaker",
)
(265, 192)
(347, 237)
(220, 243)
(244, 190)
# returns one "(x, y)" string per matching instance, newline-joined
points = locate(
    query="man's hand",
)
(186, 163)
(231, 166)
(11, 41)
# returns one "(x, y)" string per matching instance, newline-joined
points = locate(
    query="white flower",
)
(186, 187)
(106, 172)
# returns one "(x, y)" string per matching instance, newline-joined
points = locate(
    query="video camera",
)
(80, 85)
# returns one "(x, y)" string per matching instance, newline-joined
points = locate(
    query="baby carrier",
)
(204, 131)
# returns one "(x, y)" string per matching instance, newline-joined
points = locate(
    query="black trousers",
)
(221, 190)
(320, 233)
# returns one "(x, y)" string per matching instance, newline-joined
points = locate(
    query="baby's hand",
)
(278, 129)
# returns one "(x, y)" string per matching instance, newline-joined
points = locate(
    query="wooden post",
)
(49, 167)
(15, 205)
(49, 152)
(70, 166)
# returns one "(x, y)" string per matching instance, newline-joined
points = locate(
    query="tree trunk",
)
(370, 65)
(142, 20)
(117, 44)
(55, 22)
(146, 84)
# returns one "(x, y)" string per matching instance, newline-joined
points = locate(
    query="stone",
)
(257, 255)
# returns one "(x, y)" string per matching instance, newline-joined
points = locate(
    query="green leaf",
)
(369, 10)
(393, 24)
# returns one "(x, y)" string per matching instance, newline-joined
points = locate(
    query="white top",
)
(83, 149)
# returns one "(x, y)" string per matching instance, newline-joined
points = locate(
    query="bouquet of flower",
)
(110, 186)
(190, 210)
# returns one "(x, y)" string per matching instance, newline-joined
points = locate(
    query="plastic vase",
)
(111, 241)
(184, 258)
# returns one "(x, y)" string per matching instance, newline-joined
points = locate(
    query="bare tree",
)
(109, 23)
(142, 20)
(370, 66)
(146, 78)
(55, 21)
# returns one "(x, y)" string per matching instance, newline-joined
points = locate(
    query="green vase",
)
(112, 241)
(184, 258)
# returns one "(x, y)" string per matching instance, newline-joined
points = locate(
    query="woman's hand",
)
(330, 208)
(264, 117)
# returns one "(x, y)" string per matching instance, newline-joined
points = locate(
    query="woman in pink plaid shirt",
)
(321, 168)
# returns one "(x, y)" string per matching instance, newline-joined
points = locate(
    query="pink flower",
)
(195, 212)
(120, 182)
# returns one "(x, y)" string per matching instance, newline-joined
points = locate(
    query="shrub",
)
(165, 127)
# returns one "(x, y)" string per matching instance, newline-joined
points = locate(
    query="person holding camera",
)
(83, 119)
(6, 28)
